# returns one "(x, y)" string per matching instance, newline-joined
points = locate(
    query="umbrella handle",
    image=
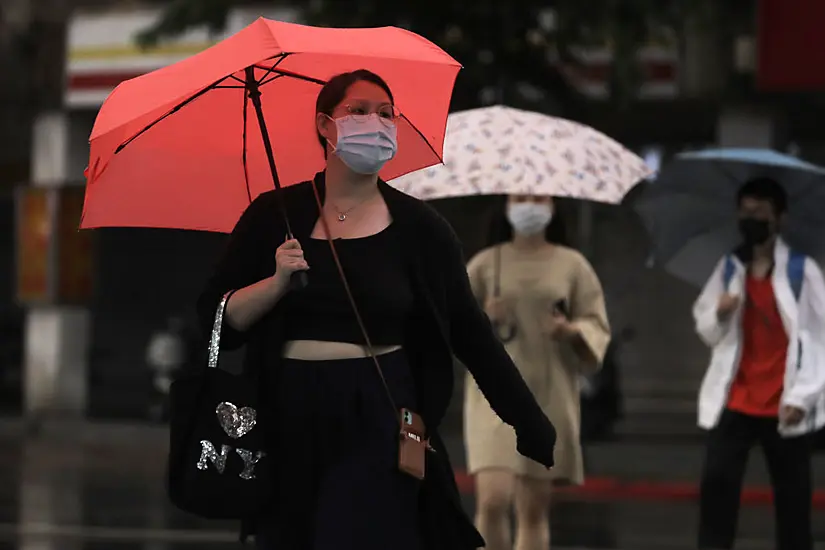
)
(298, 280)
(254, 93)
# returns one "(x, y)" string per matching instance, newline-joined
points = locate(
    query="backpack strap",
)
(796, 272)
(728, 271)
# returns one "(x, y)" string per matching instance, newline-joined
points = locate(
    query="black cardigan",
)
(448, 320)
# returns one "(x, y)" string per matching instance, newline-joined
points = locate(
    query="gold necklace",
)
(342, 214)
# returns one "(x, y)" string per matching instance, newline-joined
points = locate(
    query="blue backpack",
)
(796, 272)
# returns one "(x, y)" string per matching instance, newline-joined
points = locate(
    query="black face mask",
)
(755, 232)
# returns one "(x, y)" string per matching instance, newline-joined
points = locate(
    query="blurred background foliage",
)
(516, 51)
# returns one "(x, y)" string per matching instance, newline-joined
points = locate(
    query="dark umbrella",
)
(689, 210)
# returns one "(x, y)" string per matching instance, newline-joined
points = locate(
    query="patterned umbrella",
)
(499, 150)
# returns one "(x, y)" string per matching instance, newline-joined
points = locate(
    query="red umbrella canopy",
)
(167, 148)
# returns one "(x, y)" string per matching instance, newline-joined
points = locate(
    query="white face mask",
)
(529, 218)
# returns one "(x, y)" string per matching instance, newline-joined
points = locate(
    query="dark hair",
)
(501, 231)
(335, 90)
(764, 189)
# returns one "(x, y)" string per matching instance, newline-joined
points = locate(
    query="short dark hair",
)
(764, 189)
(335, 90)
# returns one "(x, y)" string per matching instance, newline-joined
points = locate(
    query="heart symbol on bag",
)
(234, 421)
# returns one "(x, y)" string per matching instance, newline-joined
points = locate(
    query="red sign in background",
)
(54, 258)
(34, 241)
(791, 45)
(75, 260)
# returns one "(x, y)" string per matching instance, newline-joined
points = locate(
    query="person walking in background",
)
(548, 307)
(763, 315)
(170, 351)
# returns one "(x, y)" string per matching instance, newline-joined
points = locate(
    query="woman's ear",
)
(322, 124)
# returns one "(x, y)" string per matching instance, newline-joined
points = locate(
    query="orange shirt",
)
(757, 387)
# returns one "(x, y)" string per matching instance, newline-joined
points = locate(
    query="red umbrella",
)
(187, 146)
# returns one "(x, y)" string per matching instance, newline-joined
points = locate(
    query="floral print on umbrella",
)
(500, 150)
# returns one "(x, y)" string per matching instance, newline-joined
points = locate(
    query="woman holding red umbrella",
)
(387, 287)
(353, 452)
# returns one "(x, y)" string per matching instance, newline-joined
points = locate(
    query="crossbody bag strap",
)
(351, 299)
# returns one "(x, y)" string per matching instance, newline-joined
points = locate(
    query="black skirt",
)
(338, 483)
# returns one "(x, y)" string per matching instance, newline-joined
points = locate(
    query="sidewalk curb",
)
(128, 435)
(596, 488)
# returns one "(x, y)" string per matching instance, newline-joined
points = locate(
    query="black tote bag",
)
(217, 467)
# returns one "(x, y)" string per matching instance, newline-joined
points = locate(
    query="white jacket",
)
(804, 323)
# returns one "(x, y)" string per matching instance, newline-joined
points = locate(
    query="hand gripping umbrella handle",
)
(298, 279)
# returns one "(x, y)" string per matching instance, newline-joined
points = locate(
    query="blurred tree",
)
(507, 48)
(32, 57)
(32, 47)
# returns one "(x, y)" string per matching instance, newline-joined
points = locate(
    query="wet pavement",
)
(73, 487)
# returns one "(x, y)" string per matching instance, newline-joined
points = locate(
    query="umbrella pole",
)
(497, 272)
(499, 229)
(299, 278)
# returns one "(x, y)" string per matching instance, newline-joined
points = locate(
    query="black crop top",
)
(382, 288)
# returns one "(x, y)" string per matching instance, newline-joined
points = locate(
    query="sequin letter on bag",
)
(250, 459)
(234, 421)
(209, 454)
